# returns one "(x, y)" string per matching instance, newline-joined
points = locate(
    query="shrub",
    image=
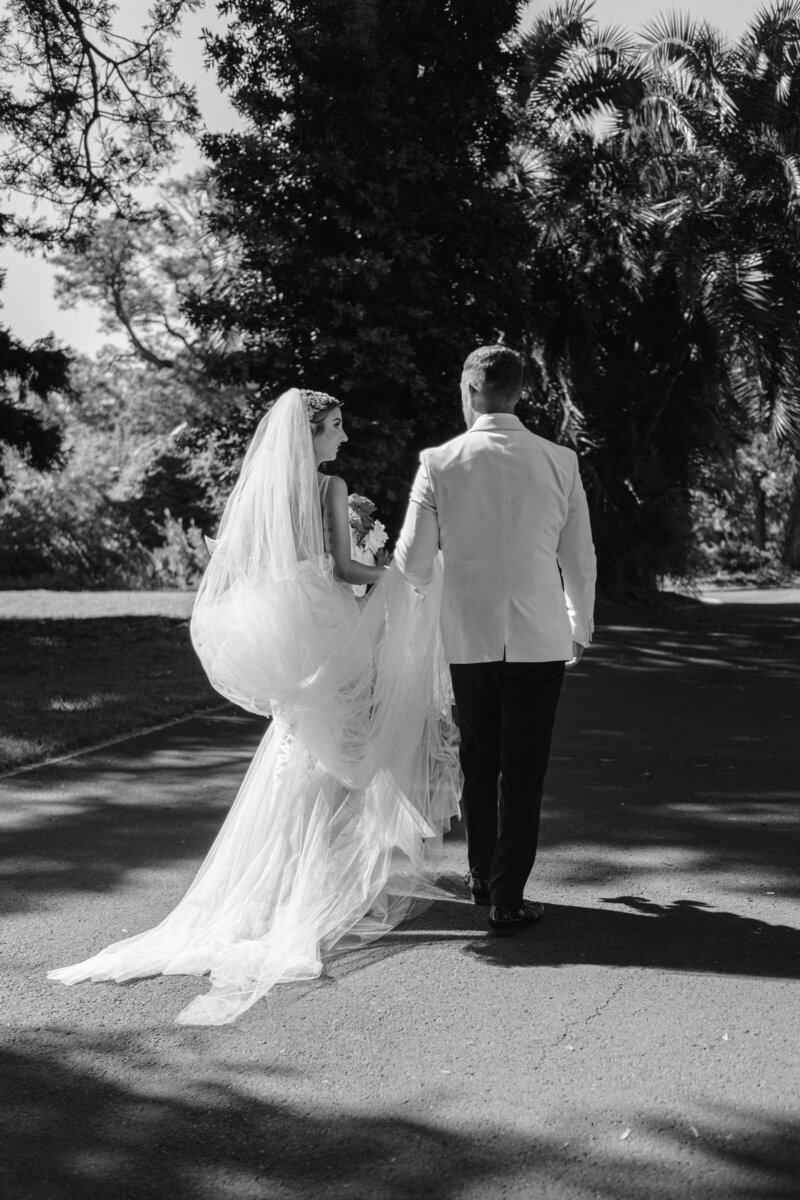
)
(180, 559)
(62, 530)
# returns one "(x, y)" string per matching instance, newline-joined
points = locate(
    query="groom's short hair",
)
(495, 372)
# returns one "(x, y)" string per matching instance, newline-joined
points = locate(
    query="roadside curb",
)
(115, 741)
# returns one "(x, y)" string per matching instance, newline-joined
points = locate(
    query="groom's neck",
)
(488, 406)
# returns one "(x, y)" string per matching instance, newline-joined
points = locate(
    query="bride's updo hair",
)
(318, 405)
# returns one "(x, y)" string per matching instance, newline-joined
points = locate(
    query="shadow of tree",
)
(674, 755)
(77, 1121)
(85, 824)
(670, 756)
(683, 936)
(96, 846)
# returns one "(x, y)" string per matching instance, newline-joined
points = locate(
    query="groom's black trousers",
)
(505, 713)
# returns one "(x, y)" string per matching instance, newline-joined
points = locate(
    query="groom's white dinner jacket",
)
(507, 508)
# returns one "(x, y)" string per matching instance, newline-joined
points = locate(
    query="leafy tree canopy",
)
(142, 275)
(28, 377)
(381, 239)
(86, 115)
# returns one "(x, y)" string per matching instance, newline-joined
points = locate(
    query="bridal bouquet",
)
(367, 535)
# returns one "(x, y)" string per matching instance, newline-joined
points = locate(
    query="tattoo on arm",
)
(327, 530)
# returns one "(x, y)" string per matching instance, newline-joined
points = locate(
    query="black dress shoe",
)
(478, 889)
(505, 921)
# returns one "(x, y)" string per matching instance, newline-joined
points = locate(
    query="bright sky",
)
(28, 307)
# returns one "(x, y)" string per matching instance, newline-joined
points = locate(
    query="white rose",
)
(376, 538)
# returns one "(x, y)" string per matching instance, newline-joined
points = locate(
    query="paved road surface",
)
(640, 1044)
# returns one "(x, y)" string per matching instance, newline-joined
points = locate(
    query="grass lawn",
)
(68, 681)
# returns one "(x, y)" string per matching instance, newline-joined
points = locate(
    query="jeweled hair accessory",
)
(317, 402)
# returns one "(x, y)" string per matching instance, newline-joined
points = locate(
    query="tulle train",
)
(329, 842)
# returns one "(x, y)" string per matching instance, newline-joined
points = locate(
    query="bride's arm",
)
(336, 525)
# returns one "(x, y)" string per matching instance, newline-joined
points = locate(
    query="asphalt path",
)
(641, 1043)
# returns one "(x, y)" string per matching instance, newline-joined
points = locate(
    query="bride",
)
(330, 838)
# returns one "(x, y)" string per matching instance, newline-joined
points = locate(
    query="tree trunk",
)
(760, 512)
(791, 533)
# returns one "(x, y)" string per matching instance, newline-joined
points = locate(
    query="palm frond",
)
(658, 116)
(616, 40)
(593, 79)
(775, 409)
(782, 415)
(737, 292)
(561, 21)
(675, 38)
(744, 386)
(770, 30)
(783, 89)
(693, 57)
(790, 164)
(550, 37)
(529, 170)
(671, 213)
(569, 65)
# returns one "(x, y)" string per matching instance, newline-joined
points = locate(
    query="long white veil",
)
(253, 640)
(330, 839)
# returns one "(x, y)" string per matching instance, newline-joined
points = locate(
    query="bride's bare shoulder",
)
(333, 487)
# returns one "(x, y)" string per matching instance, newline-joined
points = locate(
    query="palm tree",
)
(662, 181)
(769, 88)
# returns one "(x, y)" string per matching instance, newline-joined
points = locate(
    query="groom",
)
(509, 513)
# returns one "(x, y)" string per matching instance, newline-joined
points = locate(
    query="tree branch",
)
(125, 320)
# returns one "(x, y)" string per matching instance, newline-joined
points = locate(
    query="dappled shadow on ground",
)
(623, 931)
(87, 823)
(95, 847)
(726, 636)
(675, 752)
(92, 1117)
(633, 932)
(674, 757)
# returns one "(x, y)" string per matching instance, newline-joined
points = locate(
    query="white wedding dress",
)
(331, 836)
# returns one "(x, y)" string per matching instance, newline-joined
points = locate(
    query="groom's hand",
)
(577, 652)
